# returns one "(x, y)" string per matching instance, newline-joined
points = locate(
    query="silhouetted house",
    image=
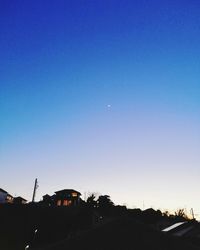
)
(5, 197)
(19, 200)
(67, 197)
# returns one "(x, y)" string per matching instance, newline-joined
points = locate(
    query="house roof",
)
(3, 191)
(20, 198)
(46, 195)
(168, 229)
(67, 191)
(9, 195)
(183, 228)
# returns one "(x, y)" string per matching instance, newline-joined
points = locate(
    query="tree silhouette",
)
(104, 202)
(180, 213)
(92, 203)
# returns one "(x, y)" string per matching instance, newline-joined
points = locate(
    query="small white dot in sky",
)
(108, 106)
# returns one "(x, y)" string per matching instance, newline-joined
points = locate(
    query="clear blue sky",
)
(102, 96)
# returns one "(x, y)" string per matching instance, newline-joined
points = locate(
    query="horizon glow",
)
(102, 96)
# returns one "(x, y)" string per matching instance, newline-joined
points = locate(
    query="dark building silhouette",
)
(19, 200)
(65, 197)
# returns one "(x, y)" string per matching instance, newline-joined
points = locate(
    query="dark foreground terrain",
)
(43, 228)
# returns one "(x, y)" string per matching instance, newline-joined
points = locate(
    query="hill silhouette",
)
(88, 227)
(122, 233)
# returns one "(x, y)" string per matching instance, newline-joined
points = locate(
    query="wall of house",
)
(3, 197)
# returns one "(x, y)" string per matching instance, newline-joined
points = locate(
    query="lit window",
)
(74, 194)
(59, 203)
(65, 203)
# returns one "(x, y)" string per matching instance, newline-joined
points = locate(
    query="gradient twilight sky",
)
(102, 96)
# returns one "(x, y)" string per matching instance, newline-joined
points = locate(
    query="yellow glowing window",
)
(74, 194)
(9, 199)
(59, 203)
(66, 202)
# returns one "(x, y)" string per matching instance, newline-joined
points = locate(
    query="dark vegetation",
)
(97, 224)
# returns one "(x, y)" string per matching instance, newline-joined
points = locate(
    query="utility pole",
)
(34, 190)
(192, 212)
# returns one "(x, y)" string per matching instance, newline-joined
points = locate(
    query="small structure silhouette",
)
(19, 200)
